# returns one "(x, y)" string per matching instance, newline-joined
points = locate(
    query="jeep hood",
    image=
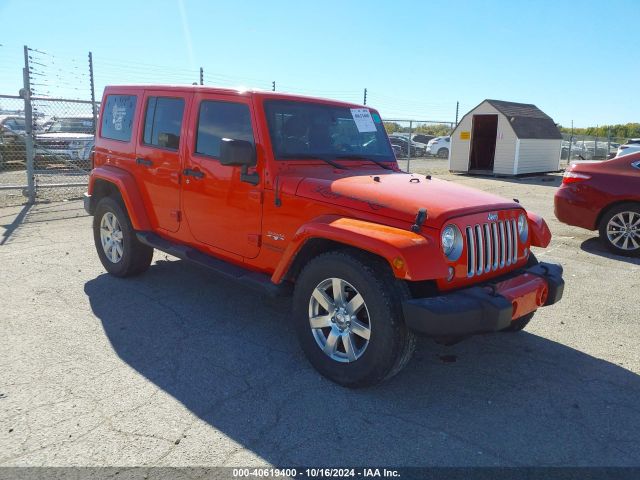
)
(401, 195)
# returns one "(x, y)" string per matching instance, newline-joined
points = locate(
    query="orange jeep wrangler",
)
(303, 196)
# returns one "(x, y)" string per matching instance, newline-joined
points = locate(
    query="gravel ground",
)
(178, 367)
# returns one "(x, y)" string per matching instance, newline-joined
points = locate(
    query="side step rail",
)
(254, 280)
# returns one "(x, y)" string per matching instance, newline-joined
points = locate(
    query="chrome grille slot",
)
(491, 246)
(471, 252)
(479, 250)
(488, 260)
(514, 229)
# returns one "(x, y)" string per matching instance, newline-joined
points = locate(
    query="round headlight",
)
(523, 227)
(451, 240)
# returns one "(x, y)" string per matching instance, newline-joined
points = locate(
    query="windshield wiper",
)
(360, 157)
(309, 156)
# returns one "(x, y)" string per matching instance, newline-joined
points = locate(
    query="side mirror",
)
(237, 153)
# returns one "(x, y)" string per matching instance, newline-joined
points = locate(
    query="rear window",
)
(163, 122)
(117, 117)
(218, 120)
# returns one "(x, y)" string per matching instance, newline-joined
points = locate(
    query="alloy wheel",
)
(339, 320)
(623, 230)
(111, 237)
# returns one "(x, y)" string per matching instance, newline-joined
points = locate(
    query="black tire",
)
(390, 344)
(443, 153)
(136, 257)
(519, 324)
(625, 209)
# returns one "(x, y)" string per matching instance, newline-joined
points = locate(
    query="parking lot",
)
(178, 367)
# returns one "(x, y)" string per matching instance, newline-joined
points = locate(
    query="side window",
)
(163, 122)
(217, 120)
(117, 117)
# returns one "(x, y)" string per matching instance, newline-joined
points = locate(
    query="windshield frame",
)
(384, 154)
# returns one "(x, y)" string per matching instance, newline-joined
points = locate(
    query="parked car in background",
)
(422, 138)
(439, 146)
(397, 151)
(12, 144)
(604, 196)
(632, 146)
(67, 139)
(417, 150)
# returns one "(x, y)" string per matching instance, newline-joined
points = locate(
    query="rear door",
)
(221, 210)
(161, 144)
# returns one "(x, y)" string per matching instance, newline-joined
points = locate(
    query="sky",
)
(576, 60)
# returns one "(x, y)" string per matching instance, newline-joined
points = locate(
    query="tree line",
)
(626, 130)
(436, 129)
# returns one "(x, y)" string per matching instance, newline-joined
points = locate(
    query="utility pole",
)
(94, 110)
(201, 76)
(457, 108)
(365, 97)
(273, 86)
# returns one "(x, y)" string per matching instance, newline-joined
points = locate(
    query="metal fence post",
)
(201, 76)
(28, 120)
(94, 110)
(409, 146)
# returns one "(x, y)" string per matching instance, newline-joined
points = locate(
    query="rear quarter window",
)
(117, 117)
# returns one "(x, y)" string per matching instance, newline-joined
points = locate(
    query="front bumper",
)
(488, 307)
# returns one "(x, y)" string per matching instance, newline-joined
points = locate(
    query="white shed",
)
(505, 138)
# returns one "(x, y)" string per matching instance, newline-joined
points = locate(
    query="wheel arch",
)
(405, 252)
(112, 181)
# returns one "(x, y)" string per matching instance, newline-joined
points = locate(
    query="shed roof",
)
(527, 120)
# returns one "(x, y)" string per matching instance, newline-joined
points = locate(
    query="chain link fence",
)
(13, 156)
(585, 147)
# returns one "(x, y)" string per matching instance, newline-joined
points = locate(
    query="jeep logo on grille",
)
(492, 217)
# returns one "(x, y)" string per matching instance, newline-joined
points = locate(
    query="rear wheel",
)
(620, 229)
(119, 250)
(348, 317)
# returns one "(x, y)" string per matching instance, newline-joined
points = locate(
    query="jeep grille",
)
(491, 246)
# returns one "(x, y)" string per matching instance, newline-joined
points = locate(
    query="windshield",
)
(15, 124)
(72, 125)
(306, 129)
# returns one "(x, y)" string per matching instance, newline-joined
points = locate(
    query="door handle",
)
(188, 172)
(144, 161)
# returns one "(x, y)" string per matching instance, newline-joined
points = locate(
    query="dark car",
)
(604, 196)
(12, 144)
(403, 143)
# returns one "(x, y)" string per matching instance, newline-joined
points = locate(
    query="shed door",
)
(483, 142)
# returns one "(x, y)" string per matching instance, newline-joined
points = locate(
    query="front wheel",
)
(120, 252)
(443, 153)
(620, 229)
(348, 317)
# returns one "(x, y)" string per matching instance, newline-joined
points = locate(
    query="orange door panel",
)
(160, 147)
(221, 210)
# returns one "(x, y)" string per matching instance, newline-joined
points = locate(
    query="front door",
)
(158, 153)
(483, 142)
(221, 210)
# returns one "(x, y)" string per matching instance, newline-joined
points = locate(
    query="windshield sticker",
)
(364, 122)
(376, 117)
